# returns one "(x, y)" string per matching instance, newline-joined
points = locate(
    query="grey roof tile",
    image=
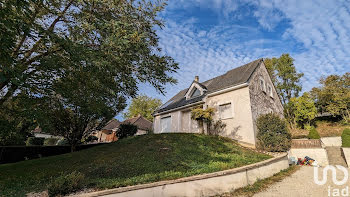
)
(231, 78)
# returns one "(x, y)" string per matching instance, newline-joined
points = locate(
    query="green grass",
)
(135, 160)
(262, 184)
(345, 137)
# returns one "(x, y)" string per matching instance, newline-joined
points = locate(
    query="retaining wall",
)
(203, 185)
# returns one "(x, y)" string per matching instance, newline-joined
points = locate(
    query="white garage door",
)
(165, 124)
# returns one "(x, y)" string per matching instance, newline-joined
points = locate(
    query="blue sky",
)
(209, 37)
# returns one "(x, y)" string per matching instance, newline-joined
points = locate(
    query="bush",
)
(345, 137)
(50, 141)
(313, 134)
(126, 130)
(66, 184)
(35, 141)
(273, 134)
(91, 138)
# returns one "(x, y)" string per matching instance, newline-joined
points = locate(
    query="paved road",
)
(301, 183)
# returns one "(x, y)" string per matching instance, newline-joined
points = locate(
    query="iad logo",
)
(334, 175)
(333, 191)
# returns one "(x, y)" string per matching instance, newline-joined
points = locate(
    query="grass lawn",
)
(139, 159)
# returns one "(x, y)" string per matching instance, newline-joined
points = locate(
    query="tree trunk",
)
(72, 148)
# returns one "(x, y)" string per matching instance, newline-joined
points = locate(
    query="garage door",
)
(165, 124)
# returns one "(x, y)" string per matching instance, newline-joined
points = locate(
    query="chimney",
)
(196, 78)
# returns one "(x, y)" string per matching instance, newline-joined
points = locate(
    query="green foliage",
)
(273, 134)
(334, 96)
(284, 76)
(345, 137)
(135, 160)
(126, 130)
(90, 67)
(313, 134)
(143, 105)
(50, 141)
(202, 115)
(91, 138)
(302, 110)
(66, 183)
(35, 141)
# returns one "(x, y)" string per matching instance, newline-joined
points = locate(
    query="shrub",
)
(126, 130)
(50, 141)
(35, 141)
(66, 183)
(313, 134)
(273, 134)
(91, 138)
(345, 137)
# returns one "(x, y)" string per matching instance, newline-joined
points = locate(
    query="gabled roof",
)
(140, 122)
(112, 124)
(231, 78)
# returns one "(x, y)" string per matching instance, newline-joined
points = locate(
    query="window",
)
(165, 124)
(269, 90)
(262, 85)
(225, 111)
(196, 93)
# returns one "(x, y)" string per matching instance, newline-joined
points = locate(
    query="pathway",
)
(301, 184)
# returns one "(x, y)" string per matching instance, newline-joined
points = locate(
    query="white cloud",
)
(322, 27)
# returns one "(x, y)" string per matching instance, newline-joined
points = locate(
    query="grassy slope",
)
(136, 160)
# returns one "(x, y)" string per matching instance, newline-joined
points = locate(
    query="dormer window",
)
(195, 93)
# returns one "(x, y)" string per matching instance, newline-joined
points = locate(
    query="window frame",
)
(270, 92)
(263, 85)
(231, 114)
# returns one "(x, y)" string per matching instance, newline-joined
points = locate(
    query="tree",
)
(126, 130)
(304, 109)
(91, 48)
(202, 116)
(143, 105)
(334, 95)
(284, 76)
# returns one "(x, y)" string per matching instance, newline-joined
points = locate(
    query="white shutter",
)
(165, 124)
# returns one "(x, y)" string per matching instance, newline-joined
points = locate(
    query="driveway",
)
(301, 183)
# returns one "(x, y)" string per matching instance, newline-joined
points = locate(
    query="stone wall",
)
(261, 101)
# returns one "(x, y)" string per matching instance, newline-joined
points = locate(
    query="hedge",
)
(11, 154)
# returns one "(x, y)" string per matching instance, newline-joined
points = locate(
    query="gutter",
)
(178, 108)
(201, 102)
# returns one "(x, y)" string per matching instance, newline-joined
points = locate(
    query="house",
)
(108, 133)
(37, 132)
(143, 125)
(239, 96)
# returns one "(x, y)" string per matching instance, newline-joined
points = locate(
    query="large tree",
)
(334, 96)
(284, 76)
(70, 52)
(143, 105)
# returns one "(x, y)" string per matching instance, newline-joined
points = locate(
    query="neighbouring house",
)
(239, 96)
(37, 132)
(108, 133)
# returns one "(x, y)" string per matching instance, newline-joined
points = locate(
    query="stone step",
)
(335, 156)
